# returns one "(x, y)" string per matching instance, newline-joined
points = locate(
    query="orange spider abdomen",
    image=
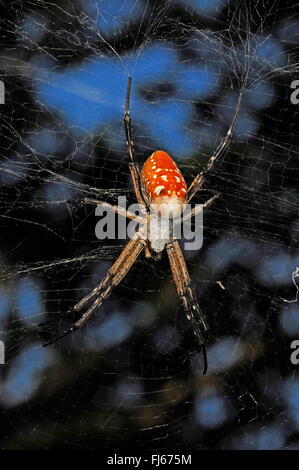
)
(163, 184)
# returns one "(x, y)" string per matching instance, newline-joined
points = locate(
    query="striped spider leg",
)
(183, 284)
(113, 277)
(200, 179)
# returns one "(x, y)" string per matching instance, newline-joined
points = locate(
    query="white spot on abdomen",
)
(158, 190)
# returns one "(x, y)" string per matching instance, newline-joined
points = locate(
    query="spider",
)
(159, 186)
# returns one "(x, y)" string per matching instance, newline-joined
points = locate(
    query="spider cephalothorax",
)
(161, 193)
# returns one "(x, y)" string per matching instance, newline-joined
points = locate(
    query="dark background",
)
(132, 378)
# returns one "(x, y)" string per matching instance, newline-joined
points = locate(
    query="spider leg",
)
(119, 210)
(134, 169)
(125, 255)
(113, 277)
(196, 210)
(109, 283)
(200, 178)
(182, 281)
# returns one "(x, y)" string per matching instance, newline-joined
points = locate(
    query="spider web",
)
(133, 375)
